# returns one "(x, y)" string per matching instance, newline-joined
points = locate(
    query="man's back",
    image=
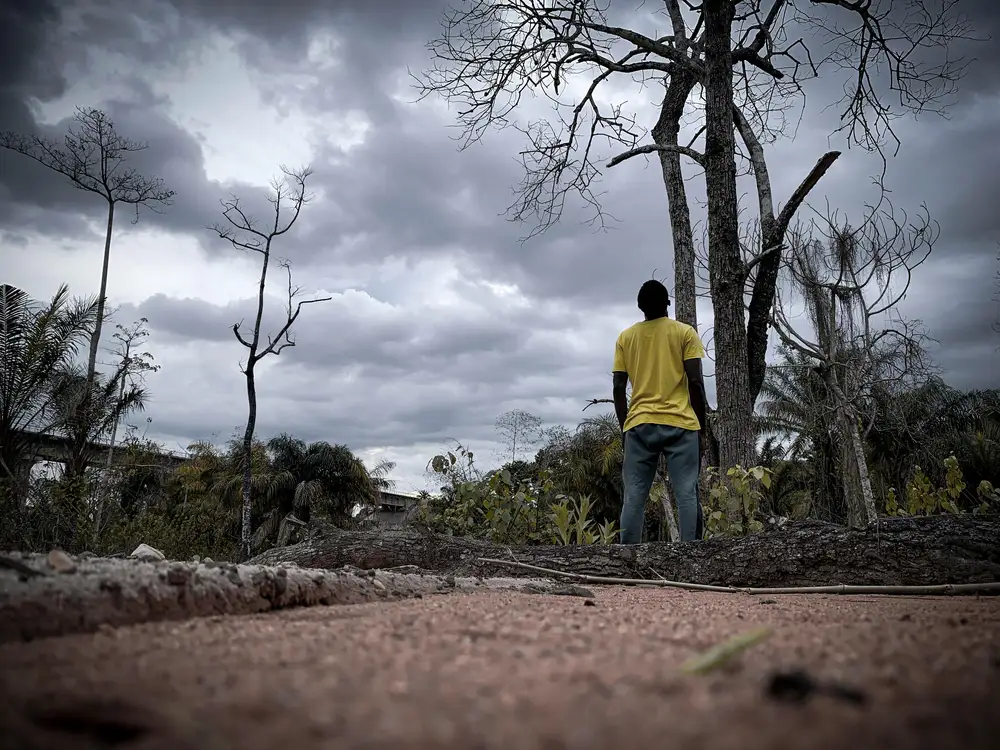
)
(652, 352)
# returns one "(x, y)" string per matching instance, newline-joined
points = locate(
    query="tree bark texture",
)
(897, 552)
(856, 481)
(666, 133)
(734, 420)
(95, 339)
(245, 529)
(78, 462)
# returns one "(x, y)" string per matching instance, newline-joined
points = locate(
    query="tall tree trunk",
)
(734, 419)
(95, 339)
(99, 512)
(76, 466)
(245, 536)
(666, 133)
(859, 500)
(246, 541)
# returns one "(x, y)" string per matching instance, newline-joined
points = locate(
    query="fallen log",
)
(918, 551)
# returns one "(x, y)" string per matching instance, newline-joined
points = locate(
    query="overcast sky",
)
(440, 318)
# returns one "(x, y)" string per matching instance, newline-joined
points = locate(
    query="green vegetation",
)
(930, 449)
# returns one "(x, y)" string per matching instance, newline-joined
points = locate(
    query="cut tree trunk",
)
(896, 551)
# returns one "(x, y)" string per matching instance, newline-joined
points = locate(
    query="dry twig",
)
(931, 590)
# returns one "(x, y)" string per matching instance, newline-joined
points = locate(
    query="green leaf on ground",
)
(722, 653)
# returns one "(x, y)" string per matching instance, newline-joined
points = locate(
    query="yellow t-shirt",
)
(652, 353)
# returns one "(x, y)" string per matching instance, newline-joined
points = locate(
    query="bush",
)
(922, 499)
(734, 501)
(179, 532)
(504, 509)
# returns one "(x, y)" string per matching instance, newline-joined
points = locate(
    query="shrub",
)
(504, 509)
(922, 499)
(734, 501)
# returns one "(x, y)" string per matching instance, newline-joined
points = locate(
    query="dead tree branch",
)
(850, 282)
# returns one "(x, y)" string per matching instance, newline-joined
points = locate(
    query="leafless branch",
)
(283, 339)
(595, 401)
(94, 158)
(903, 51)
(243, 231)
(851, 283)
(650, 148)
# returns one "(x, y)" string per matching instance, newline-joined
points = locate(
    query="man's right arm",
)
(696, 390)
(699, 401)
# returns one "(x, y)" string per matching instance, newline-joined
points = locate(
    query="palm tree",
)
(291, 482)
(90, 420)
(38, 347)
(795, 408)
(921, 426)
(589, 462)
(792, 403)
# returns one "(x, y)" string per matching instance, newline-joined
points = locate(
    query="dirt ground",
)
(521, 671)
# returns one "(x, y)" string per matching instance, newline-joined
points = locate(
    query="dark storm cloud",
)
(983, 49)
(407, 191)
(25, 26)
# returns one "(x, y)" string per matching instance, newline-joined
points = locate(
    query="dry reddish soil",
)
(521, 671)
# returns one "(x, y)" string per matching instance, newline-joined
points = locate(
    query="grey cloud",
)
(24, 28)
(982, 50)
(362, 404)
(408, 193)
(347, 333)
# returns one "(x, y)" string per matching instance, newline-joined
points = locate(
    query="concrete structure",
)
(56, 448)
(392, 509)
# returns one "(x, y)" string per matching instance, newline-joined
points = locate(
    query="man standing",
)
(662, 358)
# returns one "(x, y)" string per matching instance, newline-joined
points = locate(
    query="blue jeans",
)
(643, 445)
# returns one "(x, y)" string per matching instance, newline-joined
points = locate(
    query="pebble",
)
(60, 562)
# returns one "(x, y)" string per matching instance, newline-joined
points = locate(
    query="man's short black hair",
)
(654, 299)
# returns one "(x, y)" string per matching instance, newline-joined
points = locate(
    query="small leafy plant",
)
(734, 501)
(504, 510)
(923, 499)
(572, 524)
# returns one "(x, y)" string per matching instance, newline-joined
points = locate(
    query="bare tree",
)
(850, 282)
(246, 234)
(748, 63)
(133, 365)
(94, 158)
(519, 430)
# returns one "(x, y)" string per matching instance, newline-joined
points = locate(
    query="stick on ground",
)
(933, 590)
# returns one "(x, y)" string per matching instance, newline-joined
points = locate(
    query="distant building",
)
(394, 506)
